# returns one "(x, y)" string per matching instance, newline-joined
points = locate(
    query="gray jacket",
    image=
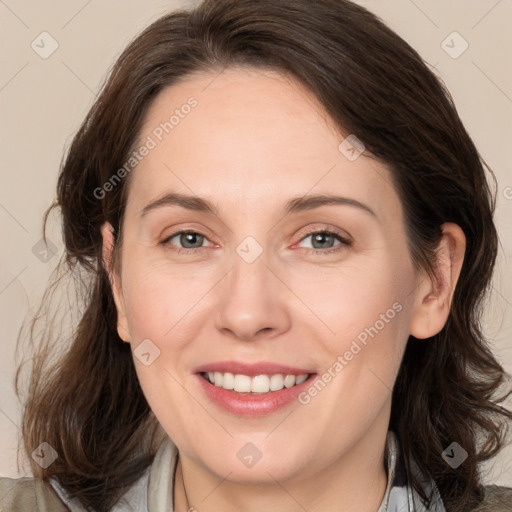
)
(153, 492)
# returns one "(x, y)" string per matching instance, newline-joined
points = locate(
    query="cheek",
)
(364, 315)
(156, 300)
(350, 300)
(160, 308)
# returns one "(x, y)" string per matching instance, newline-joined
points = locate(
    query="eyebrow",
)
(294, 205)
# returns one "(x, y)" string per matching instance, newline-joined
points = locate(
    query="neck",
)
(356, 482)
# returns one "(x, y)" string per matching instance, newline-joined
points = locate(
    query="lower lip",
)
(252, 405)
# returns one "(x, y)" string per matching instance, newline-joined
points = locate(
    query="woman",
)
(317, 345)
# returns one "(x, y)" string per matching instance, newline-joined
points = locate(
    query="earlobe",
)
(108, 235)
(433, 297)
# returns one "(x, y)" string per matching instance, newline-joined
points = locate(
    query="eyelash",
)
(344, 242)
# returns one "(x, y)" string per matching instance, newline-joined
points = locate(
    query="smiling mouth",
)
(257, 385)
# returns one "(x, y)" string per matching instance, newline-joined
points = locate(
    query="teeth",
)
(289, 381)
(276, 382)
(257, 384)
(228, 381)
(242, 384)
(301, 378)
(260, 384)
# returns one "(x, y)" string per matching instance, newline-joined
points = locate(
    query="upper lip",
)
(251, 369)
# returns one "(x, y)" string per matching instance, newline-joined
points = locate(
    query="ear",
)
(433, 297)
(107, 233)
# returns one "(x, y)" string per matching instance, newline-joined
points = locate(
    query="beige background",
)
(42, 102)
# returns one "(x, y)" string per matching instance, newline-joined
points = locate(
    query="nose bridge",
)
(250, 273)
(251, 300)
(249, 279)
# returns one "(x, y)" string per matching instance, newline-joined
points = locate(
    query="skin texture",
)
(256, 139)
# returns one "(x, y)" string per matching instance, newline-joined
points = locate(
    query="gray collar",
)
(400, 496)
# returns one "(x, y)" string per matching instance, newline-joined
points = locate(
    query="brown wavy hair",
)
(85, 400)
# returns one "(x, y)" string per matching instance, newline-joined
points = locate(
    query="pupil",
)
(322, 237)
(190, 238)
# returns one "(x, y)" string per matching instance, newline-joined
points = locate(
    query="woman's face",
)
(252, 291)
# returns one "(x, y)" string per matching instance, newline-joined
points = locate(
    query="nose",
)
(252, 301)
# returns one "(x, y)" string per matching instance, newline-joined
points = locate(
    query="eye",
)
(323, 241)
(186, 240)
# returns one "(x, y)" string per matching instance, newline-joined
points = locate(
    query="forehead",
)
(252, 138)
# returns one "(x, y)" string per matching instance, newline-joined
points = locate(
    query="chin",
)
(250, 462)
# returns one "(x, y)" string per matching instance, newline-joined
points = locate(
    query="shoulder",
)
(28, 495)
(497, 499)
